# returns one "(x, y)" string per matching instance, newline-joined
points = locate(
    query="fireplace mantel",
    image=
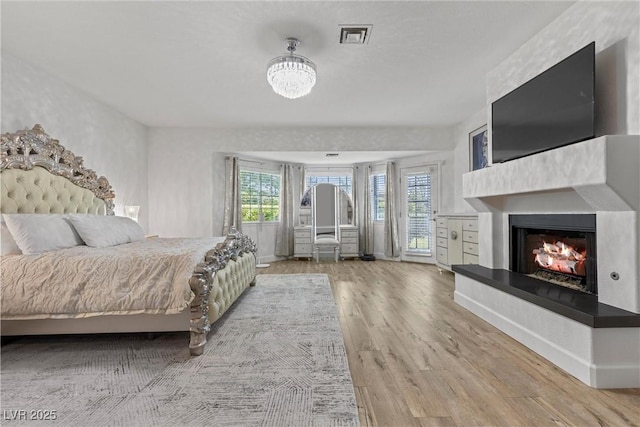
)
(600, 176)
(602, 171)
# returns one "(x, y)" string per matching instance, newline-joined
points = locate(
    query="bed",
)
(105, 277)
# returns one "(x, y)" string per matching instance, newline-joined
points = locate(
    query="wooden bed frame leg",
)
(253, 282)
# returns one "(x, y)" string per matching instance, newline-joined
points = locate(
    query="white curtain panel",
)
(284, 238)
(232, 196)
(391, 238)
(354, 192)
(303, 181)
(366, 237)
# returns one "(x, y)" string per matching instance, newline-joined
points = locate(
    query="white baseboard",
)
(269, 258)
(600, 357)
(383, 257)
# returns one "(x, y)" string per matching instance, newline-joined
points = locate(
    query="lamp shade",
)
(132, 212)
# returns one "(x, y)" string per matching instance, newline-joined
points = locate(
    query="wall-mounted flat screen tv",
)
(553, 109)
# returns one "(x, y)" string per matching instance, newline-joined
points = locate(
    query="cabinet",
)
(303, 242)
(349, 246)
(456, 240)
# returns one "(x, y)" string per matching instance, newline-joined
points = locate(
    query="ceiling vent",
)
(332, 154)
(355, 34)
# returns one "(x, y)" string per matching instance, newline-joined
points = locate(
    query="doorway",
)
(419, 201)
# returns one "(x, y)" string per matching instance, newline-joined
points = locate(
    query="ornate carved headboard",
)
(38, 175)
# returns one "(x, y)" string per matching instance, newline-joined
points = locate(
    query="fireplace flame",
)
(561, 257)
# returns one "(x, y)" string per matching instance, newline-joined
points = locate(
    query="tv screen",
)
(553, 109)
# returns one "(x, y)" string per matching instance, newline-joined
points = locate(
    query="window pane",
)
(419, 221)
(343, 182)
(378, 187)
(260, 193)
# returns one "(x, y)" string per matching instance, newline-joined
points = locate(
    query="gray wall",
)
(615, 27)
(188, 201)
(111, 144)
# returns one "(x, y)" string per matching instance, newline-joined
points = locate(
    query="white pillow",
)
(100, 231)
(37, 233)
(8, 245)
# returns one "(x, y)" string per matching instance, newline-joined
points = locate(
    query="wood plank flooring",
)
(419, 359)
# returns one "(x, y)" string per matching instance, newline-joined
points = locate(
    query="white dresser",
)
(456, 240)
(303, 241)
(349, 243)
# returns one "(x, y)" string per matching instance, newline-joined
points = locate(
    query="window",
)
(418, 221)
(378, 189)
(343, 182)
(260, 193)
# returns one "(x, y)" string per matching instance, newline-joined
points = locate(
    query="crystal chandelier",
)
(291, 76)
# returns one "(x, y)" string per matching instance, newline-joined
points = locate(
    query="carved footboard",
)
(217, 282)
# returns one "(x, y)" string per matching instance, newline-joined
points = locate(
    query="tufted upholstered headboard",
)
(38, 175)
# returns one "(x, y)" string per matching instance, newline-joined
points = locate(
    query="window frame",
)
(378, 195)
(428, 189)
(331, 172)
(261, 173)
(433, 169)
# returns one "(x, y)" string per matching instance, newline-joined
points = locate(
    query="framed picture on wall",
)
(478, 149)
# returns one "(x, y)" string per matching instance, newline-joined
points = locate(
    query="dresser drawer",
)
(469, 259)
(301, 248)
(441, 232)
(349, 233)
(470, 248)
(441, 242)
(349, 248)
(441, 222)
(441, 256)
(470, 225)
(306, 239)
(349, 239)
(470, 236)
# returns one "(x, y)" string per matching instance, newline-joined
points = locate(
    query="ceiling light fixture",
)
(291, 76)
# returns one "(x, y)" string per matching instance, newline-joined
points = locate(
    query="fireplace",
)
(557, 248)
(593, 204)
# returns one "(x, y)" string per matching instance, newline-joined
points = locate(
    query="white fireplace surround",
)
(600, 176)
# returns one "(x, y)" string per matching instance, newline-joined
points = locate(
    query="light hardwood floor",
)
(419, 359)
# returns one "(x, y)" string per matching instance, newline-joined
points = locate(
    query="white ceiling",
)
(202, 64)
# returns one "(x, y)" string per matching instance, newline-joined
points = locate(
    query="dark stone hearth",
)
(576, 305)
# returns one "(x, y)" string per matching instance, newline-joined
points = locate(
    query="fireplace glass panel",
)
(556, 249)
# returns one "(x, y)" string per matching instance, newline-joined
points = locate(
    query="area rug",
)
(276, 358)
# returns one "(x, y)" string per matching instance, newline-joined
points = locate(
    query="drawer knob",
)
(454, 235)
